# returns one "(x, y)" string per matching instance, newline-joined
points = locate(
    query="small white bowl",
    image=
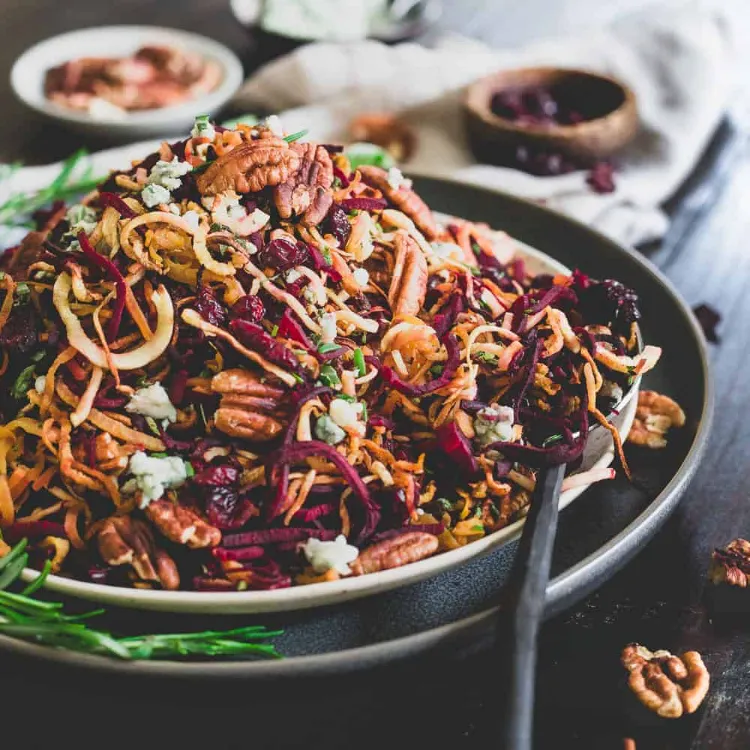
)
(29, 70)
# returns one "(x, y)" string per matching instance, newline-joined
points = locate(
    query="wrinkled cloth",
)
(675, 57)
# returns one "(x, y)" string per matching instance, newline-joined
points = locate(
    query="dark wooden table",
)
(657, 599)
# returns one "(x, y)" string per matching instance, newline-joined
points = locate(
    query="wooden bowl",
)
(612, 123)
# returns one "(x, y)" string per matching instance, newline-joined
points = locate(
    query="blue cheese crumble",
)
(494, 424)
(152, 401)
(328, 431)
(154, 475)
(335, 555)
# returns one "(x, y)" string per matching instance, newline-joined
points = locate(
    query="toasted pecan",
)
(250, 167)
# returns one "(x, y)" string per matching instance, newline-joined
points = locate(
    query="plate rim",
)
(622, 547)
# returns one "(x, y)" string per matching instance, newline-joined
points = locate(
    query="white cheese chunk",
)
(335, 555)
(361, 277)
(328, 431)
(494, 424)
(328, 328)
(153, 475)
(345, 413)
(168, 174)
(153, 195)
(152, 401)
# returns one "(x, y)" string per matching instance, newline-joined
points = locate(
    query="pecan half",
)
(182, 525)
(403, 198)
(664, 683)
(307, 193)
(393, 553)
(409, 282)
(248, 407)
(655, 415)
(731, 565)
(127, 541)
(250, 167)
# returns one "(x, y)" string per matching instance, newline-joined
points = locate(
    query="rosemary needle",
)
(27, 618)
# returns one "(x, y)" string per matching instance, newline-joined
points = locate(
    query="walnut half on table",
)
(655, 416)
(666, 684)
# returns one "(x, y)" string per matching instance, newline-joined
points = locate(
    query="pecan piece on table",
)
(664, 683)
(182, 525)
(403, 198)
(250, 167)
(127, 541)
(409, 282)
(393, 553)
(731, 565)
(307, 192)
(655, 415)
(248, 407)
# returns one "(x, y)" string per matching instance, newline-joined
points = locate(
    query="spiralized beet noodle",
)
(243, 364)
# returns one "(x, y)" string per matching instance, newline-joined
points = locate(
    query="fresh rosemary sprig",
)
(18, 208)
(30, 619)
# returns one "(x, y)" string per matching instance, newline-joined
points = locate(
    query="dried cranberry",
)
(223, 475)
(601, 178)
(610, 301)
(337, 224)
(250, 308)
(209, 307)
(226, 509)
(19, 333)
(708, 319)
(282, 254)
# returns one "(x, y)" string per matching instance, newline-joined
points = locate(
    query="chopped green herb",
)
(205, 373)
(161, 454)
(38, 621)
(274, 331)
(248, 119)
(38, 356)
(202, 168)
(22, 294)
(368, 154)
(295, 136)
(189, 470)
(477, 527)
(326, 253)
(141, 381)
(445, 504)
(359, 362)
(477, 250)
(22, 384)
(325, 348)
(437, 370)
(344, 397)
(364, 411)
(328, 376)
(151, 422)
(487, 357)
(551, 440)
(298, 378)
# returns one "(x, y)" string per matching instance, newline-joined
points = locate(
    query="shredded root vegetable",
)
(83, 409)
(132, 360)
(192, 318)
(7, 306)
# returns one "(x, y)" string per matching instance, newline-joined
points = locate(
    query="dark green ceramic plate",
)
(598, 533)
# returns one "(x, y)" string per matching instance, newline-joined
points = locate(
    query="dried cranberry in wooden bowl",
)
(583, 116)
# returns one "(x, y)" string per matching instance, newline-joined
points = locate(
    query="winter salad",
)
(245, 364)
